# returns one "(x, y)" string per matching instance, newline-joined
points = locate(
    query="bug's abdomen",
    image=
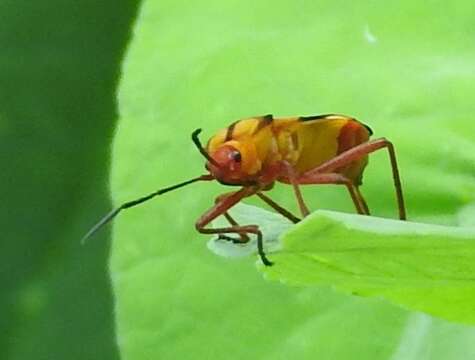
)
(352, 134)
(323, 138)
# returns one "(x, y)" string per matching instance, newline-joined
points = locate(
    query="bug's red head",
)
(233, 164)
(229, 165)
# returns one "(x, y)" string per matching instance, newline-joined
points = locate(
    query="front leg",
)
(243, 238)
(220, 208)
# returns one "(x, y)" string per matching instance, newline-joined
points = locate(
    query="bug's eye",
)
(236, 156)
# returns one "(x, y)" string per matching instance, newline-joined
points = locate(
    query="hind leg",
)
(356, 153)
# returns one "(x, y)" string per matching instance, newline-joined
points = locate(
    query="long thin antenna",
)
(196, 140)
(132, 203)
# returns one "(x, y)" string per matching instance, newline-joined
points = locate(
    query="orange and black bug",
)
(256, 152)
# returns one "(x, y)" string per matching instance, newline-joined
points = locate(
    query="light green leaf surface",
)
(423, 267)
(406, 69)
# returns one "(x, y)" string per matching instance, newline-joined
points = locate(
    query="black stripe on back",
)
(316, 117)
(263, 122)
(367, 128)
(324, 116)
(229, 133)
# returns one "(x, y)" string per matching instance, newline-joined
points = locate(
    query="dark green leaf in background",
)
(59, 67)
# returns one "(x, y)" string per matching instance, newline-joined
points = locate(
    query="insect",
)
(256, 152)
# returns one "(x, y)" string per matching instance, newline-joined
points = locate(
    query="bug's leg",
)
(291, 174)
(334, 178)
(278, 208)
(243, 238)
(223, 204)
(242, 229)
(362, 200)
(358, 152)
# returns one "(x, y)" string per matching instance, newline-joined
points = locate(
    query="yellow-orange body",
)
(303, 142)
(256, 152)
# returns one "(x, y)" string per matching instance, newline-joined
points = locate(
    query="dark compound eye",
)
(236, 156)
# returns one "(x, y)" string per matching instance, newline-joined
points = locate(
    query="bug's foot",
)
(265, 260)
(268, 263)
(242, 239)
(229, 238)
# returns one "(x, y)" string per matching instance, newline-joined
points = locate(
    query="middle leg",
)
(278, 208)
(290, 173)
(335, 178)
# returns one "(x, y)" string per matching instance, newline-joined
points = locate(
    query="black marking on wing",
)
(263, 122)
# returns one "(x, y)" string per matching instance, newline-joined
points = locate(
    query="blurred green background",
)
(404, 68)
(59, 69)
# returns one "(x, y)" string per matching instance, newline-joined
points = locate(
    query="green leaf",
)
(270, 224)
(206, 66)
(423, 267)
